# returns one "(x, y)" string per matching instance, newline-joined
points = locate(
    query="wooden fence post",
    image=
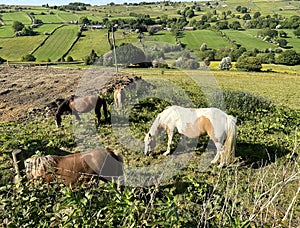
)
(18, 163)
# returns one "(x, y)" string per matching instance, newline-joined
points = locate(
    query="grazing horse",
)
(77, 105)
(75, 168)
(191, 122)
(119, 97)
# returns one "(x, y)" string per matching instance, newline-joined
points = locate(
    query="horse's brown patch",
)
(201, 127)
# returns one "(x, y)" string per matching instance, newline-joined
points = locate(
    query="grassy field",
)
(247, 40)
(194, 39)
(57, 44)
(235, 196)
(9, 18)
(20, 45)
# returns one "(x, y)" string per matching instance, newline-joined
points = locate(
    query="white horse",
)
(191, 122)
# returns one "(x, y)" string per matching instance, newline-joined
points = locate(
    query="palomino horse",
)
(191, 122)
(119, 97)
(77, 105)
(75, 168)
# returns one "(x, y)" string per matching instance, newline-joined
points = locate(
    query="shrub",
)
(248, 63)
(185, 63)
(2, 60)
(225, 64)
(28, 58)
(289, 57)
(266, 57)
(70, 59)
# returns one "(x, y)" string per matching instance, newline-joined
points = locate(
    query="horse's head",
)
(150, 143)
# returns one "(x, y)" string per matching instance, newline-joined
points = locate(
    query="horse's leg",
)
(219, 147)
(170, 136)
(75, 113)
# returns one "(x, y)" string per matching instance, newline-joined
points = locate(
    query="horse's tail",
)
(230, 141)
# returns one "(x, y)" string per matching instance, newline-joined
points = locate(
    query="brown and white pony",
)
(75, 168)
(119, 97)
(85, 104)
(193, 123)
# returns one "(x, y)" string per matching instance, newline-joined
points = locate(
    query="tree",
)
(297, 32)
(246, 17)
(126, 54)
(289, 57)
(248, 63)
(18, 26)
(256, 15)
(281, 42)
(235, 25)
(84, 20)
(225, 64)
(203, 47)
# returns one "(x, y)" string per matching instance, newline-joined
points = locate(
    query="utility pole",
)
(114, 46)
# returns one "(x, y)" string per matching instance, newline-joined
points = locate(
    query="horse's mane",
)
(155, 127)
(41, 165)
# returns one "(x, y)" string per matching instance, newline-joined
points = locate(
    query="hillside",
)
(56, 32)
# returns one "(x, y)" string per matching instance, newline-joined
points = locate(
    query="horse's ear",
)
(150, 135)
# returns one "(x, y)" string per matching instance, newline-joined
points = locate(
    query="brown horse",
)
(75, 168)
(77, 105)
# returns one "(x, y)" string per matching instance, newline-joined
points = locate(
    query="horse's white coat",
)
(194, 123)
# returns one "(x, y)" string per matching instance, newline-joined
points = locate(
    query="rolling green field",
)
(20, 45)
(57, 44)
(194, 39)
(247, 40)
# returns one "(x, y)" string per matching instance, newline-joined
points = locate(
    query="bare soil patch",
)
(27, 90)
(23, 89)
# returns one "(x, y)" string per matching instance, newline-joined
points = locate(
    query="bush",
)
(70, 59)
(2, 60)
(266, 57)
(225, 64)
(289, 57)
(248, 63)
(186, 63)
(28, 58)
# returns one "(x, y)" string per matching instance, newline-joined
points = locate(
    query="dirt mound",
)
(123, 80)
(28, 91)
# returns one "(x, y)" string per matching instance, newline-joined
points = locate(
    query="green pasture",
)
(194, 39)
(270, 85)
(46, 28)
(9, 18)
(6, 31)
(97, 40)
(162, 36)
(12, 47)
(57, 44)
(51, 18)
(247, 40)
(292, 40)
(265, 7)
(67, 16)
(90, 40)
